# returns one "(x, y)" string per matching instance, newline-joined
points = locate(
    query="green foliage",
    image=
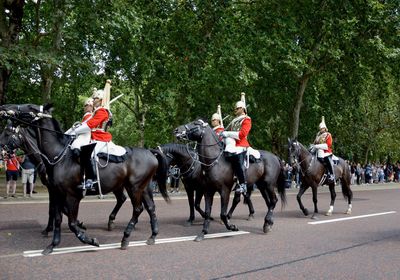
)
(177, 60)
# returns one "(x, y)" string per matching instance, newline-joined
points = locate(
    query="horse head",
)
(25, 114)
(293, 151)
(193, 131)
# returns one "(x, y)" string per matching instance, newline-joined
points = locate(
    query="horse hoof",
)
(211, 219)
(124, 244)
(188, 223)
(305, 212)
(199, 237)
(151, 241)
(251, 217)
(45, 233)
(267, 228)
(328, 213)
(348, 212)
(313, 217)
(233, 228)
(110, 227)
(48, 250)
(95, 242)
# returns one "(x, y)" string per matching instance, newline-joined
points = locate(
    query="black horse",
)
(313, 171)
(266, 174)
(63, 170)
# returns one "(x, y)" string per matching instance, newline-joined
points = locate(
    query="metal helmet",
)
(216, 116)
(98, 93)
(322, 123)
(89, 102)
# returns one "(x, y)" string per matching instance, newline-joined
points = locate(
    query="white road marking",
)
(350, 218)
(67, 250)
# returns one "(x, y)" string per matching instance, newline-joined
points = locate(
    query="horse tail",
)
(345, 181)
(161, 173)
(282, 184)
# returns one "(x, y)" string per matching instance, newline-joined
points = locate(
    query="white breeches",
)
(230, 146)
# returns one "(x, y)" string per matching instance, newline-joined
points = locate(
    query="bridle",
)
(202, 126)
(16, 116)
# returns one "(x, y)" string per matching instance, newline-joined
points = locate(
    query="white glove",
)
(82, 129)
(231, 134)
(321, 146)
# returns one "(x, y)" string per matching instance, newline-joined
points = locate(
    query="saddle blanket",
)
(109, 151)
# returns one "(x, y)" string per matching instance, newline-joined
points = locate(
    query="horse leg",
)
(72, 204)
(225, 193)
(208, 198)
(50, 222)
(121, 197)
(315, 200)
(303, 188)
(247, 200)
(57, 216)
(347, 192)
(150, 207)
(190, 196)
(333, 198)
(235, 202)
(131, 226)
(197, 201)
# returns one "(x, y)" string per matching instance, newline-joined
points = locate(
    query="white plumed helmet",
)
(216, 116)
(89, 102)
(98, 93)
(322, 123)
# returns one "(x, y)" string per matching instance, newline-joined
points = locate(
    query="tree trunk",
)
(299, 103)
(9, 36)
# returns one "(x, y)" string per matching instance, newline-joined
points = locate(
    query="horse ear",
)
(48, 107)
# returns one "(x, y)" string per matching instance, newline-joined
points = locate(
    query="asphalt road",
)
(367, 246)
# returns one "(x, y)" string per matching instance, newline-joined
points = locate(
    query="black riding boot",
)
(87, 166)
(329, 164)
(240, 172)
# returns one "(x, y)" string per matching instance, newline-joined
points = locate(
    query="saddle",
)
(110, 152)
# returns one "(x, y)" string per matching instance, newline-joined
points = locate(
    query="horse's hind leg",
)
(148, 203)
(121, 197)
(315, 201)
(131, 226)
(270, 200)
(302, 190)
(333, 197)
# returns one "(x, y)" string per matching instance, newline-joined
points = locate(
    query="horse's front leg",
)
(208, 199)
(333, 197)
(52, 210)
(121, 197)
(57, 218)
(302, 190)
(235, 202)
(72, 205)
(224, 207)
(190, 196)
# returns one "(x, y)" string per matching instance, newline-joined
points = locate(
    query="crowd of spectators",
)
(373, 173)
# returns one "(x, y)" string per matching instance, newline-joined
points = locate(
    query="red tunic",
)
(218, 129)
(243, 132)
(97, 124)
(12, 164)
(86, 116)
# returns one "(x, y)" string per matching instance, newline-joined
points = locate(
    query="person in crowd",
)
(174, 173)
(323, 144)
(239, 130)
(28, 175)
(12, 167)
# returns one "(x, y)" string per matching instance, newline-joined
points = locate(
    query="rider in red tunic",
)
(96, 124)
(323, 142)
(239, 130)
(216, 123)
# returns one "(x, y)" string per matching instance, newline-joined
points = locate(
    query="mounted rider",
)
(96, 125)
(236, 150)
(323, 144)
(216, 123)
